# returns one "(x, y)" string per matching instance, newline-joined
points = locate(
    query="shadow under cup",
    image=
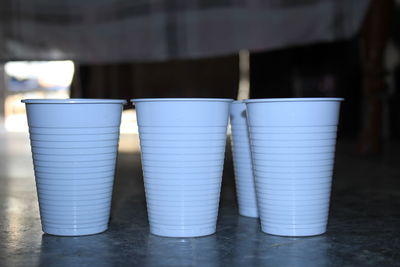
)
(293, 145)
(74, 148)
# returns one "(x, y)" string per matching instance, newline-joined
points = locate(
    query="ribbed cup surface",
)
(74, 178)
(293, 146)
(182, 146)
(182, 178)
(245, 188)
(242, 162)
(74, 150)
(293, 188)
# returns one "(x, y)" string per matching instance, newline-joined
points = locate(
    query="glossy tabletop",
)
(363, 230)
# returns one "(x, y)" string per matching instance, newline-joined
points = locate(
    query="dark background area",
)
(321, 70)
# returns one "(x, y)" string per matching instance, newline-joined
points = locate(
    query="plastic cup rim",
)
(74, 101)
(300, 99)
(135, 100)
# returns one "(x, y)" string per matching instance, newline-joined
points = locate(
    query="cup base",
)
(75, 232)
(293, 232)
(253, 213)
(165, 231)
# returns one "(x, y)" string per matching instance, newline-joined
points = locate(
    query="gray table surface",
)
(363, 227)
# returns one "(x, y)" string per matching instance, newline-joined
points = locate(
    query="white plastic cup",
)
(293, 145)
(245, 188)
(74, 147)
(182, 146)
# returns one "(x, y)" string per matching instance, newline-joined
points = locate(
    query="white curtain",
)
(115, 31)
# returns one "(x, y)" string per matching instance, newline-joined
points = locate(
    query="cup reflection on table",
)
(252, 248)
(93, 250)
(162, 251)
